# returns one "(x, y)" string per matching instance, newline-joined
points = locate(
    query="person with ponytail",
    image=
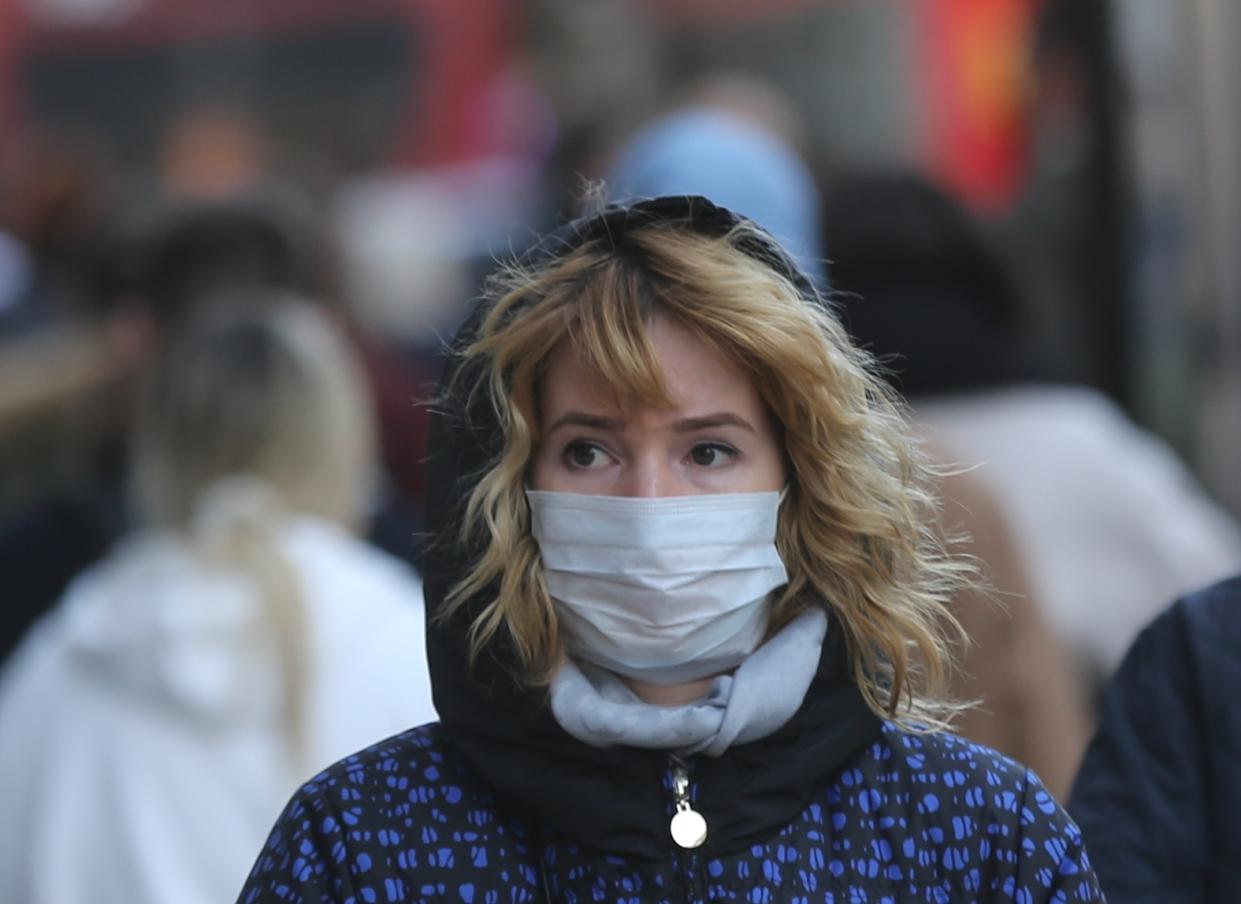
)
(152, 725)
(687, 631)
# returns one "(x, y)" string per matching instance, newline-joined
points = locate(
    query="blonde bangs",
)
(608, 333)
(602, 316)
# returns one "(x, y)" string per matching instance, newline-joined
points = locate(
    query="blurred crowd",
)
(216, 372)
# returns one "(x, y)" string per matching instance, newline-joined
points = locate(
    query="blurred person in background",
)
(267, 241)
(55, 192)
(1030, 700)
(735, 139)
(1108, 521)
(159, 276)
(153, 280)
(153, 723)
(59, 364)
(1159, 791)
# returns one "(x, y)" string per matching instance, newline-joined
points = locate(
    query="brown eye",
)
(711, 455)
(584, 456)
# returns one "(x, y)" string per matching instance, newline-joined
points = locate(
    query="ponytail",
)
(236, 526)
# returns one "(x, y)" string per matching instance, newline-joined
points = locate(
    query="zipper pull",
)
(688, 827)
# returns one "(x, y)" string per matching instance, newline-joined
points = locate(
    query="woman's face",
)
(717, 437)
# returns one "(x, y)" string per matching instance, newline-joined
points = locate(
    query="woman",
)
(687, 628)
(154, 723)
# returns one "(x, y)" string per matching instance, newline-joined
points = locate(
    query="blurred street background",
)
(415, 138)
(378, 156)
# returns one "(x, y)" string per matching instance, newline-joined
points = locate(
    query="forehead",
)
(697, 376)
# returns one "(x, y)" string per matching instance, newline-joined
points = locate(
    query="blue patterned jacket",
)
(909, 818)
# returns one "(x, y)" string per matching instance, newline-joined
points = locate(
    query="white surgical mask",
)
(665, 590)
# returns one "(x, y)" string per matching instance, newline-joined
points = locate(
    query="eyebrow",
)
(685, 425)
(709, 421)
(582, 419)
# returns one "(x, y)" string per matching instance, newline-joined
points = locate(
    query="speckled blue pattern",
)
(912, 818)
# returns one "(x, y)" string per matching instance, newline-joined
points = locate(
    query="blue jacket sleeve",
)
(1052, 865)
(306, 859)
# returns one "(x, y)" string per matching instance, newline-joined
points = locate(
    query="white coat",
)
(142, 750)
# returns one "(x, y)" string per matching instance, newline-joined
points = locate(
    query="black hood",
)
(610, 799)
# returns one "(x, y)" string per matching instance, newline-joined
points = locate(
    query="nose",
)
(651, 477)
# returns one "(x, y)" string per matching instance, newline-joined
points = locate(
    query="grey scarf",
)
(597, 707)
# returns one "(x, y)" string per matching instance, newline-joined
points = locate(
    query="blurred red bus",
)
(397, 78)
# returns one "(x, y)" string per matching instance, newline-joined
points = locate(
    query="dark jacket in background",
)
(1159, 793)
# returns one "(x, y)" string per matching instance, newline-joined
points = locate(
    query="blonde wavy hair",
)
(858, 530)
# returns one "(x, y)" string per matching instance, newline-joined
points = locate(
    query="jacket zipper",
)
(687, 827)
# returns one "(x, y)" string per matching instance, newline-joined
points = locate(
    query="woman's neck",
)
(669, 694)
